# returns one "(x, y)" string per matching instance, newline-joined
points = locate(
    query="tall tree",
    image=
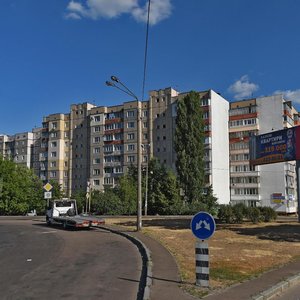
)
(189, 146)
(20, 190)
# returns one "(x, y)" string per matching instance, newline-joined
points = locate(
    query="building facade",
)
(257, 185)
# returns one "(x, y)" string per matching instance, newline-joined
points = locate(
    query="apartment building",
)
(163, 114)
(114, 141)
(18, 147)
(261, 185)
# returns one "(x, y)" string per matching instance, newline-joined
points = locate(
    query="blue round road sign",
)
(203, 225)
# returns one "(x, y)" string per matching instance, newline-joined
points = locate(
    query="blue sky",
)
(59, 52)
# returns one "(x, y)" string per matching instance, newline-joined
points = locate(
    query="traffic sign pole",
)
(203, 227)
(202, 263)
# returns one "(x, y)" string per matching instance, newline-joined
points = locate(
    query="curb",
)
(278, 288)
(146, 276)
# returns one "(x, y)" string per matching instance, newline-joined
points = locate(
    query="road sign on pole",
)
(47, 195)
(48, 187)
(203, 227)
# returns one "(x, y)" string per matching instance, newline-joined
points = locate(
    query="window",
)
(66, 134)
(97, 139)
(97, 150)
(97, 160)
(130, 147)
(130, 113)
(53, 164)
(54, 125)
(145, 113)
(145, 136)
(53, 134)
(108, 170)
(118, 170)
(130, 124)
(53, 154)
(145, 158)
(108, 180)
(97, 119)
(108, 148)
(118, 147)
(52, 174)
(96, 182)
(96, 172)
(65, 173)
(145, 124)
(130, 136)
(97, 128)
(130, 158)
(65, 163)
(53, 144)
(108, 137)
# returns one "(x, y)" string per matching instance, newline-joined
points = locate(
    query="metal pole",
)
(139, 168)
(146, 193)
(298, 186)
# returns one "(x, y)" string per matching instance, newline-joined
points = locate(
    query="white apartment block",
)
(162, 124)
(256, 186)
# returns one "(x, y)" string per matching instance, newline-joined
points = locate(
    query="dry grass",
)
(237, 252)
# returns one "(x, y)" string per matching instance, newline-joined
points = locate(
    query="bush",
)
(225, 213)
(254, 214)
(268, 214)
(239, 212)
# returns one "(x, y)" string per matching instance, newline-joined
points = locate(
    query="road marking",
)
(48, 231)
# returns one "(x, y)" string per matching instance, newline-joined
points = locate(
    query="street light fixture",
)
(116, 83)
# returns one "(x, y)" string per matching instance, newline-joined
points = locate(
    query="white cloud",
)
(96, 9)
(290, 95)
(243, 88)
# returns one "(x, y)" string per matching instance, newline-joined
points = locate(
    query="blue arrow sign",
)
(203, 225)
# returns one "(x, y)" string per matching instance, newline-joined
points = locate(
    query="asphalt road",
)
(40, 262)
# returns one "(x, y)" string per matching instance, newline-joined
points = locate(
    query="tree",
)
(127, 193)
(57, 191)
(163, 190)
(20, 189)
(189, 146)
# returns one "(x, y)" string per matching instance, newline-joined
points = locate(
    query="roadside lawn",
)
(237, 251)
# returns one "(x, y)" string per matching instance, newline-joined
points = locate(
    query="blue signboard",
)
(203, 225)
(275, 146)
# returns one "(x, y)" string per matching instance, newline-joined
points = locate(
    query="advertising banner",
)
(275, 146)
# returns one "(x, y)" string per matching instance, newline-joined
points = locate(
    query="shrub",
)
(254, 214)
(268, 213)
(225, 213)
(239, 212)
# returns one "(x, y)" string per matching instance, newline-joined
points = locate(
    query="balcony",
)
(113, 164)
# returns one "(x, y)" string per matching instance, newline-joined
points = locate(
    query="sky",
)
(60, 52)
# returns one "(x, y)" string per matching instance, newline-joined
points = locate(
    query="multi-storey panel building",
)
(18, 147)
(255, 186)
(215, 113)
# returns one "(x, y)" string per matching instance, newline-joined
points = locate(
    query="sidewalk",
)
(166, 279)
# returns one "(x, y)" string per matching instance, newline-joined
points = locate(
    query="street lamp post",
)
(122, 87)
